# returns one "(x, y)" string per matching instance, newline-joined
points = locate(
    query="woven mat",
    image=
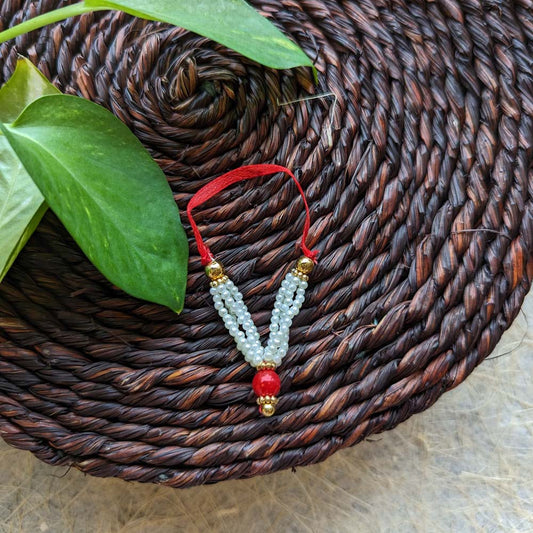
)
(417, 160)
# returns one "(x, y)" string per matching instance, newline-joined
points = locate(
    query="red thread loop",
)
(234, 176)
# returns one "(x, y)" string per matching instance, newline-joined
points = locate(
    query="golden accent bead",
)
(214, 271)
(268, 409)
(305, 265)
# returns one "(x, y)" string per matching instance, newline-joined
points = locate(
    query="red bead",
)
(266, 383)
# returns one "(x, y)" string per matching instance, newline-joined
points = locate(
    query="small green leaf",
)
(25, 85)
(21, 206)
(108, 192)
(21, 203)
(233, 23)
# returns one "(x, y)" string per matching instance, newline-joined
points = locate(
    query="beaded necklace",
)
(228, 300)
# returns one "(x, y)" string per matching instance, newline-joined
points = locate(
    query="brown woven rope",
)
(419, 173)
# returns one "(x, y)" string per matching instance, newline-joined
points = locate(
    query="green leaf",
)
(233, 23)
(108, 192)
(21, 206)
(21, 203)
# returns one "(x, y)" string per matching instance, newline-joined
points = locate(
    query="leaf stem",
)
(47, 18)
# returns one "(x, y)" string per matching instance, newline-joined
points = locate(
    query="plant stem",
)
(45, 19)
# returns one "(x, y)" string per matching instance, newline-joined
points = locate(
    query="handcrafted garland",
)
(228, 300)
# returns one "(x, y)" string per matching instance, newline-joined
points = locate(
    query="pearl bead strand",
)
(237, 319)
(288, 302)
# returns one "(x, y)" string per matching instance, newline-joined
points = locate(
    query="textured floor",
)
(466, 465)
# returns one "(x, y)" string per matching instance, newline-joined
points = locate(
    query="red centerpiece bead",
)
(266, 383)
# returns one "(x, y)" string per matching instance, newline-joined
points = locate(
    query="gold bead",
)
(268, 409)
(214, 270)
(305, 265)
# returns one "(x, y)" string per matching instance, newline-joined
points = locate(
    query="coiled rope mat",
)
(419, 170)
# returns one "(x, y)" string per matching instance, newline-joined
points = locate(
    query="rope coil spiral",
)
(418, 169)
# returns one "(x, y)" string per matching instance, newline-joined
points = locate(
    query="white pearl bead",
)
(268, 351)
(285, 323)
(257, 360)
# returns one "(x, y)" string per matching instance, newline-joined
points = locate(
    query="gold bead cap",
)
(266, 365)
(267, 405)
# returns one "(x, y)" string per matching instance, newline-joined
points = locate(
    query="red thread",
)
(234, 176)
